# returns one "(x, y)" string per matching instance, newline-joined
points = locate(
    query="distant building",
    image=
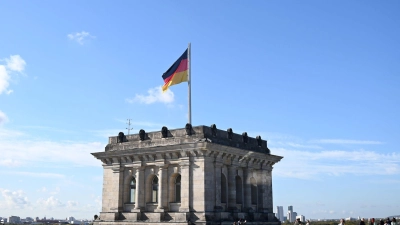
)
(71, 219)
(291, 216)
(301, 217)
(14, 219)
(294, 215)
(279, 213)
(350, 219)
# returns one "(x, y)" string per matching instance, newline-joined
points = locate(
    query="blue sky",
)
(318, 79)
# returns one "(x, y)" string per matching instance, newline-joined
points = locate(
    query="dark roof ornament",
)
(230, 133)
(121, 137)
(245, 137)
(188, 129)
(259, 140)
(142, 135)
(214, 130)
(164, 132)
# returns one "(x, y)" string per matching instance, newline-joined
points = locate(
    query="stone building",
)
(194, 175)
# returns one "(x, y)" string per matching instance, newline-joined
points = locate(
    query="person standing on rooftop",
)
(362, 221)
(394, 221)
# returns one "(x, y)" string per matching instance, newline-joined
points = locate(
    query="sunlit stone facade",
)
(195, 175)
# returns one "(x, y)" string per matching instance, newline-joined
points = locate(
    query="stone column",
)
(247, 188)
(160, 199)
(218, 166)
(269, 201)
(232, 188)
(185, 184)
(262, 199)
(138, 188)
(112, 201)
(240, 174)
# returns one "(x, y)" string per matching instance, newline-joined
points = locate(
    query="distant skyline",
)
(318, 80)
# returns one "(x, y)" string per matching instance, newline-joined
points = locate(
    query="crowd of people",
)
(372, 221)
(342, 222)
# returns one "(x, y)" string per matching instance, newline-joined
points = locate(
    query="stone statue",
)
(214, 130)
(259, 140)
(121, 137)
(188, 129)
(142, 135)
(164, 132)
(230, 133)
(245, 137)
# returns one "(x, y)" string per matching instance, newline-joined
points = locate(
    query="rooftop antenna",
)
(129, 125)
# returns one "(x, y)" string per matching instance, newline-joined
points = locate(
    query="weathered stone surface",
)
(215, 178)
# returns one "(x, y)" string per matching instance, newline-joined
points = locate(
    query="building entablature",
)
(161, 155)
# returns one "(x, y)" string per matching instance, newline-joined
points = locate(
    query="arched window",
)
(154, 193)
(253, 191)
(238, 190)
(223, 188)
(133, 190)
(178, 189)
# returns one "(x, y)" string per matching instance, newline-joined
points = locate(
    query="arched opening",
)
(154, 187)
(224, 190)
(132, 192)
(253, 191)
(239, 190)
(178, 189)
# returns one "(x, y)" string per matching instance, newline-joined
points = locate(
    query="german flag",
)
(177, 73)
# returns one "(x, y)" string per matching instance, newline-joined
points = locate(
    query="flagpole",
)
(190, 83)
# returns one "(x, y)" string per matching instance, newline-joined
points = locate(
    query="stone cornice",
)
(174, 153)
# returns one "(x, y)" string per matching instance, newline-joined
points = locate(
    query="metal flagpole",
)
(189, 83)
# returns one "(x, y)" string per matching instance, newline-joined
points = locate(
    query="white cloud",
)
(13, 64)
(38, 152)
(14, 199)
(154, 95)
(4, 79)
(346, 141)
(56, 191)
(33, 174)
(43, 189)
(50, 203)
(80, 37)
(3, 118)
(313, 165)
(10, 163)
(72, 204)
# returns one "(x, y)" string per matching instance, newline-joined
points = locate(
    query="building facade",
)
(195, 175)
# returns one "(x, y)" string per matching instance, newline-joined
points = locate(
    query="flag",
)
(177, 73)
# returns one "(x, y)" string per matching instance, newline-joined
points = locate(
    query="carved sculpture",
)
(259, 140)
(230, 133)
(245, 137)
(188, 129)
(121, 137)
(214, 130)
(142, 135)
(164, 132)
